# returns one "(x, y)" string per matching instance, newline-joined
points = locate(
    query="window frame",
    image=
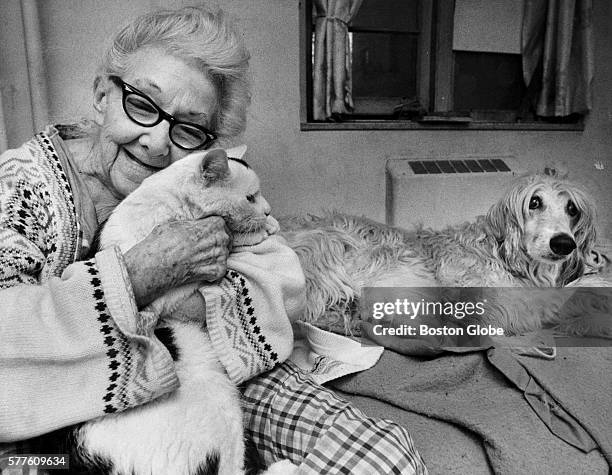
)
(441, 97)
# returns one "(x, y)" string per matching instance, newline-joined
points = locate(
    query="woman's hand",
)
(177, 253)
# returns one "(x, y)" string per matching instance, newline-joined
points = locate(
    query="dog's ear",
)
(507, 216)
(585, 232)
(585, 235)
(503, 226)
(506, 221)
(496, 221)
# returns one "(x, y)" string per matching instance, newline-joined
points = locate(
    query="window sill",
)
(411, 125)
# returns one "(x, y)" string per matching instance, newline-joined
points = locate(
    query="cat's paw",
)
(192, 308)
(180, 302)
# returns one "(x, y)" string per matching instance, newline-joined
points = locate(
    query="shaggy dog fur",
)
(540, 234)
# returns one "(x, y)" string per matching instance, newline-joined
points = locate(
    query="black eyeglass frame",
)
(127, 89)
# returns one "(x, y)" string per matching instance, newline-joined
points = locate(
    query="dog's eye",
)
(251, 198)
(571, 209)
(535, 202)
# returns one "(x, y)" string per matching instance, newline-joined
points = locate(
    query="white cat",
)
(198, 428)
(199, 185)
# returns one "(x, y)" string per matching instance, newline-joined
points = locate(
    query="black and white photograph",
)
(305, 237)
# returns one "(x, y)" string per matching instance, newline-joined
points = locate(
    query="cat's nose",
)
(267, 209)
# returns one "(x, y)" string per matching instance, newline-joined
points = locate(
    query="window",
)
(434, 63)
(384, 45)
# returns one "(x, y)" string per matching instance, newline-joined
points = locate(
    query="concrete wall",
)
(308, 170)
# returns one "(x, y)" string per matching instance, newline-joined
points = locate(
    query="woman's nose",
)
(156, 139)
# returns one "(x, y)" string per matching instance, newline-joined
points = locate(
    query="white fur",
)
(180, 192)
(176, 433)
(161, 198)
(509, 247)
(172, 435)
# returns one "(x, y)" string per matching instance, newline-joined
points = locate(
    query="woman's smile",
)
(153, 168)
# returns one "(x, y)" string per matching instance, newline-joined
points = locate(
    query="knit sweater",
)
(73, 344)
(249, 313)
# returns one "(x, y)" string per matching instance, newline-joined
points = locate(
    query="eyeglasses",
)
(141, 109)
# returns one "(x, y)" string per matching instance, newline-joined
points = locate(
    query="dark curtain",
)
(557, 51)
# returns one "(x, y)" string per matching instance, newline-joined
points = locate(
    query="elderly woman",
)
(171, 83)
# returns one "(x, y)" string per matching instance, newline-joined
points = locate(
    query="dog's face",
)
(547, 221)
(550, 219)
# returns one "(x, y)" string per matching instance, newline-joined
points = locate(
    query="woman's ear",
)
(100, 99)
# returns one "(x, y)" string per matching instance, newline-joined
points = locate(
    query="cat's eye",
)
(535, 202)
(571, 209)
(250, 198)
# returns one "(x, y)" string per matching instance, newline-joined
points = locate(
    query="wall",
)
(17, 122)
(307, 171)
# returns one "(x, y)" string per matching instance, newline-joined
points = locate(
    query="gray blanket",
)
(528, 415)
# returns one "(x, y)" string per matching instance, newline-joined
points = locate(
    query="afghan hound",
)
(541, 234)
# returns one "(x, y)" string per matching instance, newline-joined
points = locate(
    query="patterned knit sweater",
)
(73, 344)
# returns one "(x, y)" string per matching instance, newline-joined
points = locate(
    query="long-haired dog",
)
(540, 234)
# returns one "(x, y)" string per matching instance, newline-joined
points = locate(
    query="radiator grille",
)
(430, 167)
(442, 191)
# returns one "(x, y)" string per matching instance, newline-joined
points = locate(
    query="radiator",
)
(436, 193)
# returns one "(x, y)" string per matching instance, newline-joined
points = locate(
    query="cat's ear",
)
(237, 152)
(214, 166)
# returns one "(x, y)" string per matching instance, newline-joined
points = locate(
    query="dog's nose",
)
(562, 244)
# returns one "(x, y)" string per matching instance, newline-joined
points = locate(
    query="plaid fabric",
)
(288, 416)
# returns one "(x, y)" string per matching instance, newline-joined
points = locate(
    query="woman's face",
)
(128, 152)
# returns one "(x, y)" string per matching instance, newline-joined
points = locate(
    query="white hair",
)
(204, 38)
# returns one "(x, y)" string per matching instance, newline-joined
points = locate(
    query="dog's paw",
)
(592, 325)
(588, 312)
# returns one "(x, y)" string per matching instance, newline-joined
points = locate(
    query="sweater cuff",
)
(248, 327)
(118, 293)
(158, 375)
(229, 359)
